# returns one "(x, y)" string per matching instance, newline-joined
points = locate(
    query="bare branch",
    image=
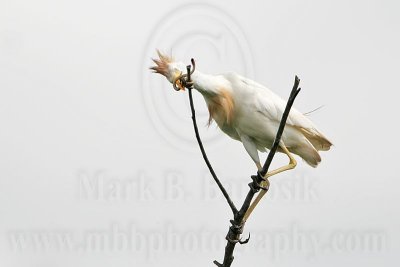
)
(289, 104)
(188, 84)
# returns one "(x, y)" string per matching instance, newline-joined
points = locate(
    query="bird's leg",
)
(292, 164)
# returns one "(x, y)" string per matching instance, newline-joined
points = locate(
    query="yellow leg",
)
(292, 164)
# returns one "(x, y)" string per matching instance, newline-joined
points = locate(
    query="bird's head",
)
(168, 67)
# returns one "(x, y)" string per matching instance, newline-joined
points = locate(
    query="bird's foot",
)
(234, 234)
(258, 183)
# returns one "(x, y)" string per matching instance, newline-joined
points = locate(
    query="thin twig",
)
(289, 104)
(203, 152)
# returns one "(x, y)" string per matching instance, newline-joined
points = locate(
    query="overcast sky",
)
(99, 164)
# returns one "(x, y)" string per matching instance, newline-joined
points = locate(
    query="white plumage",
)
(249, 112)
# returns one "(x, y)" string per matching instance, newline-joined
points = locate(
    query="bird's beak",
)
(178, 82)
(180, 86)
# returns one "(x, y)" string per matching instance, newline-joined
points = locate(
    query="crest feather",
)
(161, 63)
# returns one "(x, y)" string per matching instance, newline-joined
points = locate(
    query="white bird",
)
(249, 112)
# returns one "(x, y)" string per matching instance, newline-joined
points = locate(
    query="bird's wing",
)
(272, 106)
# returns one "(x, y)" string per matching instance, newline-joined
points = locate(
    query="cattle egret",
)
(250, 113)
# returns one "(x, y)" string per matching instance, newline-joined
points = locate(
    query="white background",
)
(98, 161)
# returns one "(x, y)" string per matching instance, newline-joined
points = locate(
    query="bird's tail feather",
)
(317, 139)
(307, 152)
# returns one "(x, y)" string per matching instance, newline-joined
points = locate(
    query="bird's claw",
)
(236, 230)
(245, 241)
(240, 241)
(237, 240)
(256, 185)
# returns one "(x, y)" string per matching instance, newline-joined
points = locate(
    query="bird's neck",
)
(218, 96)
(206, 84)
